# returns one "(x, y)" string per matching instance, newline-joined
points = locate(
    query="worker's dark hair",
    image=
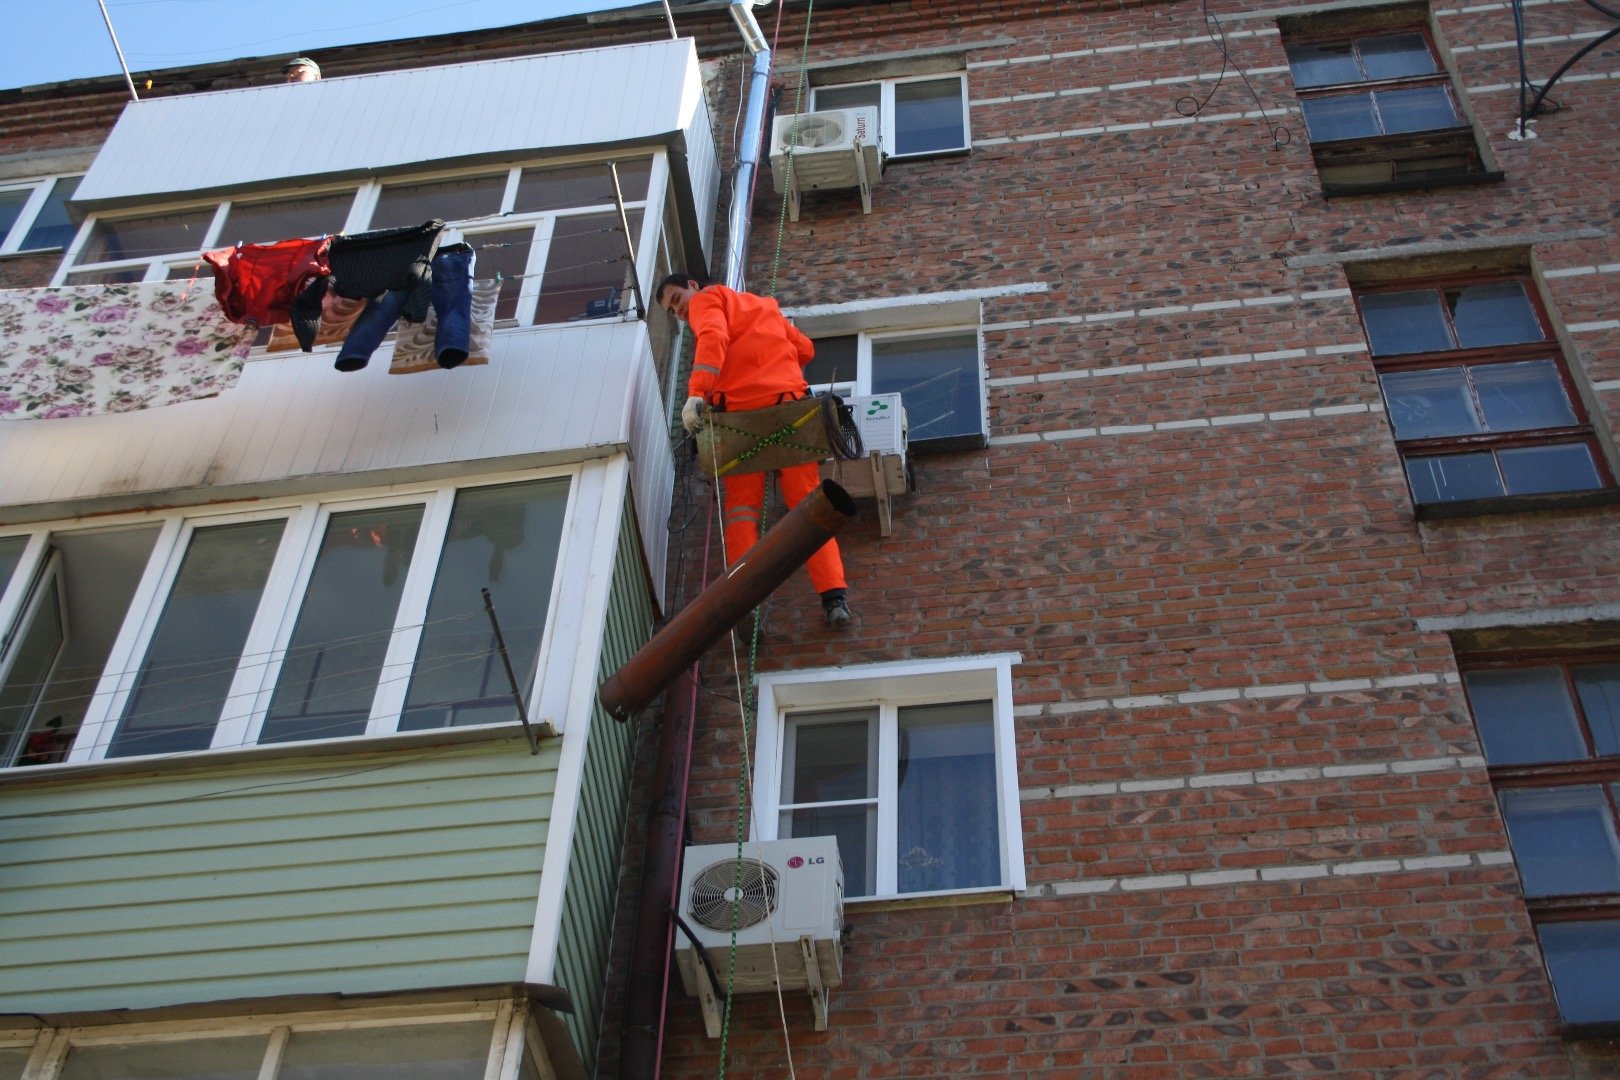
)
(679, 280)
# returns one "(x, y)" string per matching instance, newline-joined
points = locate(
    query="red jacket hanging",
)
(256, 283)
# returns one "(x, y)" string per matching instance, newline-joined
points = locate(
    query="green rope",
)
(749, 704)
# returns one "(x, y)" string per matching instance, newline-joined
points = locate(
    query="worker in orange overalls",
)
(750, 357)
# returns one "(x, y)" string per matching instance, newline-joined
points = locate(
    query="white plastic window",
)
(861, 753)
(917, 116)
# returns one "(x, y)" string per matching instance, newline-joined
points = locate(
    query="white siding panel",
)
(360, 124)
(703, 166)
(294, 424)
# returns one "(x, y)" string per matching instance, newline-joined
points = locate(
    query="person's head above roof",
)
(301, 69)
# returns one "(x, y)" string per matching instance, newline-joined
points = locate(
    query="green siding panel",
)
(593, 865)
(358, 873)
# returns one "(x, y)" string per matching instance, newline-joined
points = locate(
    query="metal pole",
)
(629, 245)
(517, 697)
(119, 49)
(748, 153)
(728, 601)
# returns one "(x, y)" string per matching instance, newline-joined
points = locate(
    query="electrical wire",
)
(1190, 105)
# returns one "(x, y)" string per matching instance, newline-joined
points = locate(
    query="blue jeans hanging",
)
(450, 293)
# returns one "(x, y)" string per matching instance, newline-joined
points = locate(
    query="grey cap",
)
(301, 61)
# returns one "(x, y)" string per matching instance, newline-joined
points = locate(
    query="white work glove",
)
(692, 414)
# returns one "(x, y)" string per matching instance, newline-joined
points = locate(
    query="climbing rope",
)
(745, 693)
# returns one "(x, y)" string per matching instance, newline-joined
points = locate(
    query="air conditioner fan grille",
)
(749, 885)
(811, 131)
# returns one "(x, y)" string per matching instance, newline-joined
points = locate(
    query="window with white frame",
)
(938, 374)
(34, 216)
(552, 233)
(917, 116)
(861, 753)
(319, 620)
(471, 1042)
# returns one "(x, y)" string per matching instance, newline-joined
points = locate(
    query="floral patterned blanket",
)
(80, 350)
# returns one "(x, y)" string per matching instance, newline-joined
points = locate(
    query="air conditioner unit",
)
(837, 148)
(881, 420)
(785, 901)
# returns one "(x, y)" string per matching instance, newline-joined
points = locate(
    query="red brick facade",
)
(1258, 831)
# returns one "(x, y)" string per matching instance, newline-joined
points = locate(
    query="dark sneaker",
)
(837, 611)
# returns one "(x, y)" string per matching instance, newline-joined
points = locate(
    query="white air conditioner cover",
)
(789, 889)
(824, 147)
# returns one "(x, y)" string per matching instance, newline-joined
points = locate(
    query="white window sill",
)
(988, 894)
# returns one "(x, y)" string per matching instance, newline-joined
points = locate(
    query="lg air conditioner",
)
(837, 148)
(783, 900)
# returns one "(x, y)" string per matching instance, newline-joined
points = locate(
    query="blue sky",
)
(51, 40)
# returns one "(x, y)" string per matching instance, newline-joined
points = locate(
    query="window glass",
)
(939, 380)
(1323, 65)
(194, 1059)
(1428, 404)
(53, 226)
(38, 647)
(833, 758)
(1521, 396)
(329, 675)
(1537, 470)
(1415, 108)
(1524, 715)
(285, 219)
(580, 185)
(506, 539)
(1598, 686)
(503, 254)
(1582, 958)
(587, 268)
(853, 96)
(192, 659)
(835, 360)
(947, 843)
(144, 238)
(1498, 313)
(1563, 839)
(425, 1052)
(1405, 322)
(928, 116)
(448, 200)
(11, 204)
(12, 1060)
(11, 549)
(1453, 477)
(1343, 116)
(1395, 56)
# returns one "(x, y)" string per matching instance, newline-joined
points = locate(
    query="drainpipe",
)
(651, 956)
(753, 137)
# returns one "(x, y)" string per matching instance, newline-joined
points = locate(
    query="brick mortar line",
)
(1572, 77)
(1207, 363)
(1237, 693)
(1202, 422)
(1196, 308)
(1250, 778)
(1141, 125)
(1266, 875)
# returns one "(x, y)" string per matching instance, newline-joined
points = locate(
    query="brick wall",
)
(1258, 830)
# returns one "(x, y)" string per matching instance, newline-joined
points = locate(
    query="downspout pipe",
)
(784, 548)
(753, 138)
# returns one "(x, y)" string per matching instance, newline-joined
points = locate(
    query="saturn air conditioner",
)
(785, 900)
(837, 148)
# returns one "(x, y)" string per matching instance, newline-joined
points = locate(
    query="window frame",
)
(254, 680)
(1402, 152)
(1583, 432)
(513, 1032)
(40, 196)
(887, 133)
(861, 384)
(362, 208)
(1601, 771)
(888, 686)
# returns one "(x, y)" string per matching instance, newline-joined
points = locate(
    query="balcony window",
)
(34, 217)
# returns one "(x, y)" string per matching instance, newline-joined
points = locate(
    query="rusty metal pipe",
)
(782, 550)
